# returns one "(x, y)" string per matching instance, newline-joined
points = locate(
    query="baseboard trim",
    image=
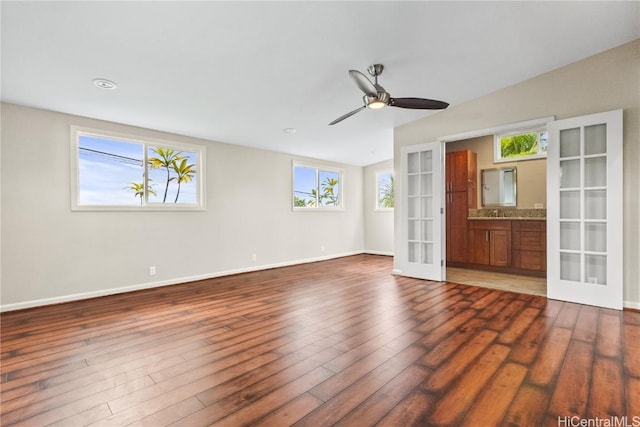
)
(177, 281)
(169, 282)
(632, 305)
(385, 253)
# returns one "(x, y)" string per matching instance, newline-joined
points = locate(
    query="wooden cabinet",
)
(530, 245)
(490, 243)
(509, 246)
(460, 185)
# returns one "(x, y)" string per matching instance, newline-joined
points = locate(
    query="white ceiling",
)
(241, 72)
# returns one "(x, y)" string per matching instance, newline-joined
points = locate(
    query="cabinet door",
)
(500, 248)
(479, 246)
(457, 213)
(458, 171)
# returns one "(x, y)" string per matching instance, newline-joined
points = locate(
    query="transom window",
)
(120, 172)
(316, 187)
(520, 145)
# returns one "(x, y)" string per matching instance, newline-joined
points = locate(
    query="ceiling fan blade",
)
(363, 83)
(349, 114)
(418, 103)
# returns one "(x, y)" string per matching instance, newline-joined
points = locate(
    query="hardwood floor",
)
(339, 342)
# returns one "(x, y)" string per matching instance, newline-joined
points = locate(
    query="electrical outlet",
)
(254, 257)
(152, 270)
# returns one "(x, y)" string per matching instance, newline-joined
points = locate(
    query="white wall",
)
(50, 253)
(378, 224)
(603, 82)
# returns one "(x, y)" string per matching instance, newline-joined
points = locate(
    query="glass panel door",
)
(422, 233)
(584, 173)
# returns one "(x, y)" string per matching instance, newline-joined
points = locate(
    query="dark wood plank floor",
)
(339, 342)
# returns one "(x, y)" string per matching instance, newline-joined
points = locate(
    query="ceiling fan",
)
(375, 96)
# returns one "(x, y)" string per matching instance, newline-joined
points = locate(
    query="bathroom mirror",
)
(499, 187)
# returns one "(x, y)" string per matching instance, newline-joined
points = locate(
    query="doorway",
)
(583, 172)
(505, 246)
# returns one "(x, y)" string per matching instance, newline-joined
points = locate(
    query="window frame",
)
(376, 202)
(318, 168)
(77, 131)
(497, 146)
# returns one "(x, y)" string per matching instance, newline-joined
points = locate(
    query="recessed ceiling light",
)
(104, 84)
(289, 131)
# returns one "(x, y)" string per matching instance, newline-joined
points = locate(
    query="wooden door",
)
(458, 171)
(479, 252)
(457, 233)
(500, 248)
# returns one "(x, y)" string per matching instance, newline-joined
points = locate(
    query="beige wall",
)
(531, 174)
(51, 254)
(603, 82)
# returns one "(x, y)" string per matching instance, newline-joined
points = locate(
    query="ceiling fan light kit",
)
(376, 102)
(376, 97)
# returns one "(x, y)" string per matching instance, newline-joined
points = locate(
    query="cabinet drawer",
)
(530, 225)
(490, 225)
(531, 260)
(532, 240)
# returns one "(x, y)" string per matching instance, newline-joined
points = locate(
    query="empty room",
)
(393, 213)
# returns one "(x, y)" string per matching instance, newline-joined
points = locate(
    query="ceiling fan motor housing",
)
(378, 101)
(375, 70)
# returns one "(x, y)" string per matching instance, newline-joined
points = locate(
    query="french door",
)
(584, 210)
(422, 211)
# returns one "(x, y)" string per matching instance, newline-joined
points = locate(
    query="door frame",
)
(539, 122)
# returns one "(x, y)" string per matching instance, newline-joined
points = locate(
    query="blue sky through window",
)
(111, 172)
(106, 169)
(384, 187)
(315, 187)
(305, 181)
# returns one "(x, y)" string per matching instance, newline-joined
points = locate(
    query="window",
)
(316, 188)
(120, 172)
(384, 190)
(520, 145)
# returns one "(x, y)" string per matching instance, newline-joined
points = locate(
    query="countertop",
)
(507, 214)
(506, 218)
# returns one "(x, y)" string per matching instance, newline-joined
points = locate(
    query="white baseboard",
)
(631, 304)
(385, 253)
(149, 285)
(175, 281)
